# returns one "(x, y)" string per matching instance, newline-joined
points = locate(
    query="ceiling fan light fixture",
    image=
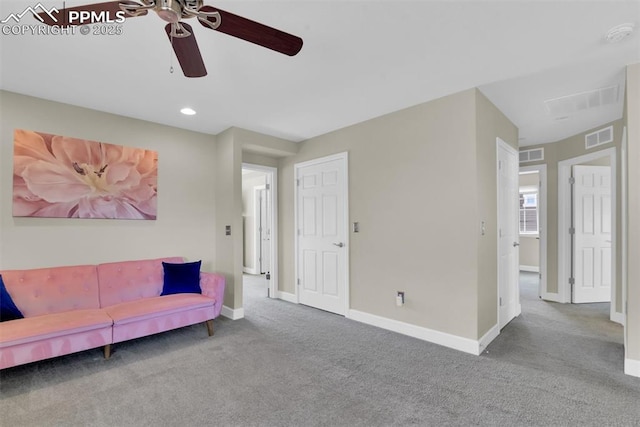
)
(188, 111)
(169, 10)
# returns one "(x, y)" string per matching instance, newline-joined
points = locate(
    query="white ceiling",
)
(360, 59)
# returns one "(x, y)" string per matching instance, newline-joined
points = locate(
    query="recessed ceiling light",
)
(619, 33)
(188, 111)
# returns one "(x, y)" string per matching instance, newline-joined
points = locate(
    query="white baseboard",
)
(447, 340)
(550, 296)
(491, 335)
(530, 268)
(632, 367)
(286, 296)
(232, 313)
(618, 318)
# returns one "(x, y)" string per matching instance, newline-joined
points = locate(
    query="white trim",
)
(623, 225)
(632, 367)
(233, 314)
(436, 337)
(530, 268)
(550, 296)
(564, 220)
(256, 227)
(272, 180)
(251, 271)
(617, 317)
(542, 227)
(287, 296)
(344, 156)
(487, 338)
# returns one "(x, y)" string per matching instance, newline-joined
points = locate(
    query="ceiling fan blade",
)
(187, 51)
(98, 12)
(252, 31)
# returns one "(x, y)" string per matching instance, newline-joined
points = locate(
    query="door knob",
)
(516, 244)
(339, 244)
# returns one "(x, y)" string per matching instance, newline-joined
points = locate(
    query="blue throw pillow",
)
(8, 310)
(181, 278)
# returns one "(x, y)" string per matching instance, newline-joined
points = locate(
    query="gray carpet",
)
(290, 365)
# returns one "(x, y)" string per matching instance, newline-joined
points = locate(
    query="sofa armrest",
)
(212, 286)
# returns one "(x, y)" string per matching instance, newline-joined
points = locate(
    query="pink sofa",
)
(75, 308)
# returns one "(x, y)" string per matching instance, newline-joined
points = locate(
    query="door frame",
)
(564, 222)
(542, 228)
(272, 180)
(516, 288)
(344, 157)
(257, 238)
(258, 192)
(623, 228)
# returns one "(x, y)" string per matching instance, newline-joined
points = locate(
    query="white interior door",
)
(592, 256)
(265, 232)
(508, 234)
(322, 234)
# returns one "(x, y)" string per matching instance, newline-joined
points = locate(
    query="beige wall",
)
(186, 196)
(229, 213)
(564, 150)
(632, 114)
(420, 182)
(529, 251)
(258, 159)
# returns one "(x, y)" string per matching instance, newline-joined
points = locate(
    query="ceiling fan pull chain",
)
(171, 56)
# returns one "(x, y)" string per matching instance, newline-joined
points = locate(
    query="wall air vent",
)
(533, 155)
(600, 137)
(570, 104)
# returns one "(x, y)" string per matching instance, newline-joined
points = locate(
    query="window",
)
(529, 213)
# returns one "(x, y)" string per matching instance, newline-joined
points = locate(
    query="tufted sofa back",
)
(53, 290)
(131, 280)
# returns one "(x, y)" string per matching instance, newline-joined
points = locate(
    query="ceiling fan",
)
(180, 33)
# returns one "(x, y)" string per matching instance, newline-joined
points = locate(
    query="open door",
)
(508, 234)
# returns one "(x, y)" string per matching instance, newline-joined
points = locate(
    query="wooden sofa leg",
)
(107, 351)
(210, 327)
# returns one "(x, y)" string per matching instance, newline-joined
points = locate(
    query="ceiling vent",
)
(570, 104)
(603, 136)
(533, 155)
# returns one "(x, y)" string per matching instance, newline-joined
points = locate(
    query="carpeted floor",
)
(290, 365)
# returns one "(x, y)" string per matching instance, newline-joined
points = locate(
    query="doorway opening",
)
(587, 230)
(259, 224)
(533, 224)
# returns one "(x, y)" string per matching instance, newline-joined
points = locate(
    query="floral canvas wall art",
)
(62, 177)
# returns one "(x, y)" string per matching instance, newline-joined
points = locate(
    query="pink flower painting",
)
(61, 177)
